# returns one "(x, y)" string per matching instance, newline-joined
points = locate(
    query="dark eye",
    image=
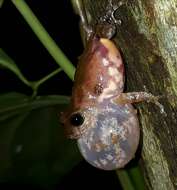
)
(76, 119)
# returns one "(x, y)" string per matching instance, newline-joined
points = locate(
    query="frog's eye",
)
(77, 119)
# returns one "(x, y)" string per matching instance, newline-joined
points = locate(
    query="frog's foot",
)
(110, 12)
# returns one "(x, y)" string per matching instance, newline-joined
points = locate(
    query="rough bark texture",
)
(147, 38)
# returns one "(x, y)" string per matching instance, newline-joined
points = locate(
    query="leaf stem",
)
(125, 179)
(45, 38)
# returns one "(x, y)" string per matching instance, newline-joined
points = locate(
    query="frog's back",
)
(99, 75)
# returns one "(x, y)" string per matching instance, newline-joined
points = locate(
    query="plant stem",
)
(39, 82)
(125, 180)
(136, 178)
(35, 85)
(45, 38)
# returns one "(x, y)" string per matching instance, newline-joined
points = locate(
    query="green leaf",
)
(32, 142)
(8, 63)
(1, 3)
(15, 103)
(7, 130)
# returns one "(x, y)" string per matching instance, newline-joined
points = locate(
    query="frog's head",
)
(76, 122)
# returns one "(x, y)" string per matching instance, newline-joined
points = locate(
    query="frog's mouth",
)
(75, 133)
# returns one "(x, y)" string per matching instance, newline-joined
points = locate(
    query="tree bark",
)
(147, 38)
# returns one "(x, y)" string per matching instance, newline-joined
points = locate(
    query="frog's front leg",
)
(133, 97)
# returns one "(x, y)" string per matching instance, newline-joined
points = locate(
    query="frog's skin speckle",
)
(98, 89)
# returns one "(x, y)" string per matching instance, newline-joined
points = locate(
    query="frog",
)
(101, 116)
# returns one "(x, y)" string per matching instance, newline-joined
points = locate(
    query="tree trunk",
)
(147, 38)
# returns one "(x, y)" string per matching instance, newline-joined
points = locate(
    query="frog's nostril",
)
(77, 119)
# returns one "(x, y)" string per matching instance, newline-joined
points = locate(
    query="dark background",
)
(19, 42)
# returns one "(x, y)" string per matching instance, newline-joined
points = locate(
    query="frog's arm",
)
(133, 97)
